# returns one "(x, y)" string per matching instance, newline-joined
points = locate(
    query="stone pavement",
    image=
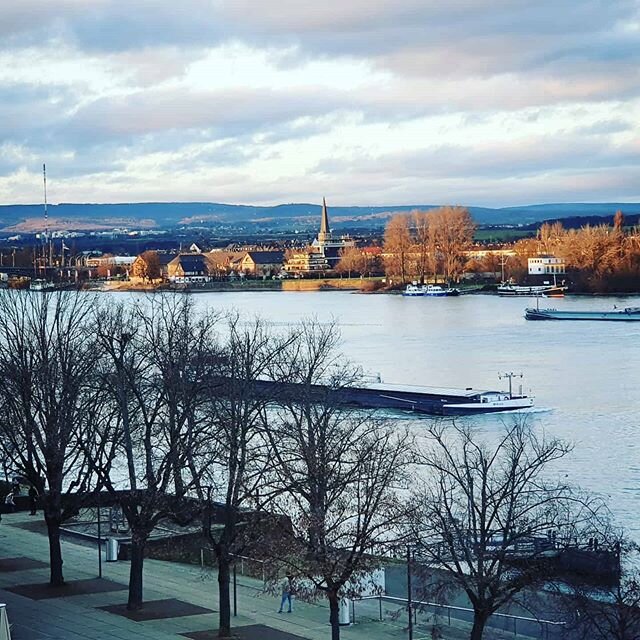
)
(36, 614)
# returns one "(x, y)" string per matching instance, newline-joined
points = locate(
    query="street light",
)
(409, 595)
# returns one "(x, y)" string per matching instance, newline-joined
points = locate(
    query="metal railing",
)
(244, 565)
(434, 614)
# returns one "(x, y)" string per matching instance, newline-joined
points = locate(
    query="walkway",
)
(187, 598)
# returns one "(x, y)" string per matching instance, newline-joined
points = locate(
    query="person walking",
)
(33, 500)
(9, 504)
(287, 593)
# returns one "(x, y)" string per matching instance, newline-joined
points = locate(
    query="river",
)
(585, 375)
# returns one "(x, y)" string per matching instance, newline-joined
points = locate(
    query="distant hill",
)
(29, 218)
(575, 222)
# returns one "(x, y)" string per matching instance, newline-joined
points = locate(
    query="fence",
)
(426, 615)
(430, 615)
(244, 566)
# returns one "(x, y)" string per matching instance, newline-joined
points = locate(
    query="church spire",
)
(325, 231)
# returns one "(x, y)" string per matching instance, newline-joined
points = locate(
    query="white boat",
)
(508, 289)
(431, 290)
(438, 291)
(40, 285)
(413, 290)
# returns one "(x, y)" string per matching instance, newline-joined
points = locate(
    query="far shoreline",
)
(311, 287)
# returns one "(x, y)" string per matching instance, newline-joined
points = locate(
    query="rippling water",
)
(585, 375)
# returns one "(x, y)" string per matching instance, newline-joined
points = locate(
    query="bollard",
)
(112, 550)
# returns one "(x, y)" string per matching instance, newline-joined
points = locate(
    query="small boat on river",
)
(549, 290)
(41, 285)
(430, 290)
(413, 290)
(439, 292)
(628, 314)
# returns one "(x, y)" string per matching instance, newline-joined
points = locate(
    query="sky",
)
(367, 102)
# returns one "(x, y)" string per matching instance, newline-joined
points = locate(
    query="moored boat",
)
(437, 291)
(431, 290)
(549, 290)
(41, 285)
(628, 314)
(413, 290)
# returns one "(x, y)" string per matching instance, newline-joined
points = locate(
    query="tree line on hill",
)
(167, 409)
(598, 259)
(578, 221)
(431, 244)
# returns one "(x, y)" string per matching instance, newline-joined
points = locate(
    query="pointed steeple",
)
(325, 231)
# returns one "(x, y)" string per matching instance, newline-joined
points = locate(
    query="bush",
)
(368, 286)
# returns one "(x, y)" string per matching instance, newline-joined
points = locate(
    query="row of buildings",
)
(196, 266)
(320, 257)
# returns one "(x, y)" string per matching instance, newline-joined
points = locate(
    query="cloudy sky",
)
(487, 102)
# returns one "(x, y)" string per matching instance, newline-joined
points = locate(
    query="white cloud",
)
(279, 100)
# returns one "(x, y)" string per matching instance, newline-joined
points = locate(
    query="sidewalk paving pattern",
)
(20, 564)
(43, 590)
(86, 611)
(157, 610)
(247, 633)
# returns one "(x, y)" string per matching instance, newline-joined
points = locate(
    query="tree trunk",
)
(56, 578)
(334, 614)
(479, 621)
(224, 624)
(135, 572)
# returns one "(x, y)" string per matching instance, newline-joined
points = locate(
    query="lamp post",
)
(99, 537)
(409, 594)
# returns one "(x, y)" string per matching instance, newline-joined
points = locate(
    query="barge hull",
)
(433, 401)
(597, 316)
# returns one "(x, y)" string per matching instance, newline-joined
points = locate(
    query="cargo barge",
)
(437, 401)
(630, 314)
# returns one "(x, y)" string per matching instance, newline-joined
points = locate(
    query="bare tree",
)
(351, 260)
(147, 266)
(423, 242)
(160, 361)
(550, 235)
(47, 359)
(335, 474)
(601, 258)
(609, 614)
(608, 610)
(486, 515)
(618, 220)
(228, 457)
(453, 230)
(397, 246)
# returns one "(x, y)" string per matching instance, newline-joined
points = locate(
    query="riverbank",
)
(320, 284)
(359, 285)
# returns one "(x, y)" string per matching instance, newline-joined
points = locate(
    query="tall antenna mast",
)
(46, 217)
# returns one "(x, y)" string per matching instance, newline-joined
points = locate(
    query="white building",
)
(546, 265)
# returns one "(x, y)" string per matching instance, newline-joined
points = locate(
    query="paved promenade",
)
(186, 599)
